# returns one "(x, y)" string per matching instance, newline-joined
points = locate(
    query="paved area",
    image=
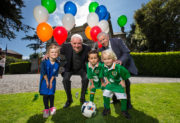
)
(30, 82)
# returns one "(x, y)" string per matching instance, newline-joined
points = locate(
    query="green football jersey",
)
(95, 73)
(114, 75)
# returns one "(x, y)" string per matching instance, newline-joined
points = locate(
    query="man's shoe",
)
(106, 112)
(129, 106)
(126, 114)
(67, 104)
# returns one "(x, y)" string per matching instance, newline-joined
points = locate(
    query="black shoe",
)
(106, 112)
(67, 104)
(126, 114)
(115, 102)
(129, 106)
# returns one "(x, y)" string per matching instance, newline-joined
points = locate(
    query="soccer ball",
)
(88, 109)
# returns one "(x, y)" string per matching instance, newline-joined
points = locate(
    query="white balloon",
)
(41, 14)
(104, 25)
(68, 21)
(92, 19)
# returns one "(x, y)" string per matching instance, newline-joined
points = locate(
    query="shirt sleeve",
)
(89, 75)
(101, 71)
(43, 68)
(124, 73)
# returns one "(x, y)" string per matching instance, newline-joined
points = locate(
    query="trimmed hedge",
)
(166, 64)
(20, 67)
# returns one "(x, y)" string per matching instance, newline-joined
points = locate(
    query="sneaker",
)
(46, 113)
(52, 110)
(106, 112)
(126, 114)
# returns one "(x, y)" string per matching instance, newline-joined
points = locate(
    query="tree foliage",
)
(158, 25)
(10, 18)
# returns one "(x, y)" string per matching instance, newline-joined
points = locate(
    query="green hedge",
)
(20, 67)
(166, 64)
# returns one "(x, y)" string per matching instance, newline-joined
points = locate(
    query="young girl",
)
(49, 72)
(115, 75)
(94, 73)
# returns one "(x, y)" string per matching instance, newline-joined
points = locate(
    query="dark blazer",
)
(67, 51)
(123, 53)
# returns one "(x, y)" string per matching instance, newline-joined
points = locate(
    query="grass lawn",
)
(152, 103)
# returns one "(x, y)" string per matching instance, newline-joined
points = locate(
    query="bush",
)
(20, 67)
(165, 64)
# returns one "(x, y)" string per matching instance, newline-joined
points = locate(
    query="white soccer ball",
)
(88, 109)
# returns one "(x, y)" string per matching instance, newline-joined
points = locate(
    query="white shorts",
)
(108, 93)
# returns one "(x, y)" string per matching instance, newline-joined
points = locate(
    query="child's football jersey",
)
(114, 75)
(95, 73)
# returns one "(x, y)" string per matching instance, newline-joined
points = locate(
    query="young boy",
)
(115, 75)
(94, 73)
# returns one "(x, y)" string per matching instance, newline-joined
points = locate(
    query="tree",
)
(10, 18)
(159, 22)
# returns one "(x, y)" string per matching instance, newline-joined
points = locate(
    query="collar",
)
(112, 67)
(93, 67)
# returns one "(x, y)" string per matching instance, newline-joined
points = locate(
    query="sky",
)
(115, 7)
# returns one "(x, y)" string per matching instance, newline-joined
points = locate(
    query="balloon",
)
(94, 32)
(70, 7)
(60, 34)
(93, 6)
(50, 5)
(99, 45)
(40, 14)
(92, 19)
(44, 31)
(101, 11)
(107, 16)
(68, 21)
(87, 32)
(104, 25)
(122, 20)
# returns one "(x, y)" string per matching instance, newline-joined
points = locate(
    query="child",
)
(115, 75)
(94, 73)
(49, 72)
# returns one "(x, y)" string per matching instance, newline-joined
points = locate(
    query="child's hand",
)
(123, 83)
(50, 85)
(92, 86)
(103, 84)
(47, 84)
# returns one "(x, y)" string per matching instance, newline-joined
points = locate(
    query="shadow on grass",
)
(38, 118)
(69, 115)
(74, 115)
(136, 116)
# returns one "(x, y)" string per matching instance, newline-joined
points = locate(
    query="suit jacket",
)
(67, 51)
(123, 54)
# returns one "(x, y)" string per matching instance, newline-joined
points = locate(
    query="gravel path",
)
(30, 82)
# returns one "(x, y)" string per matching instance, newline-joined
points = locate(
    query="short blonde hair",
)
(53, 46)
(108, 53)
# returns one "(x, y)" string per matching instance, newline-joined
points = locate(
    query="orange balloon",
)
(44, 31)
(87, 32)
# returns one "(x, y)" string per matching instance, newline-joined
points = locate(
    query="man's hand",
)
(118, 62)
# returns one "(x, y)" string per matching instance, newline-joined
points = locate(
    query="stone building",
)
(81, 30)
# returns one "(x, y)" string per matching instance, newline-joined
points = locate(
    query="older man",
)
(76, 55)
(123, 56)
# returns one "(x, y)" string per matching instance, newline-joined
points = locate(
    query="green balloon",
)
(93, 6)
(50, 5)
(122, 20)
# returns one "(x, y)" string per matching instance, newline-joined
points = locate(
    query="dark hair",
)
(93, 52)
